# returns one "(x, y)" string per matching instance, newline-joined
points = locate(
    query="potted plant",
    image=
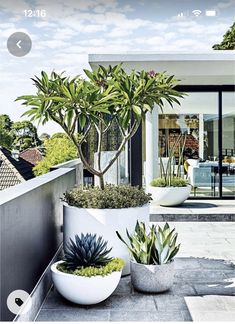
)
(105, 211)
(87, 275)
(109, 95)
(171, 189)
(152, 257)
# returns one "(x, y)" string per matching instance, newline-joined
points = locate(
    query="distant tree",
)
(5, 122)
(58, 150)
(44, 136)
(228, 42)
(25, 135)
(6, 138)
(58, 135)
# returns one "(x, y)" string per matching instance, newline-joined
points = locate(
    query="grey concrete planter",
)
(152, 278)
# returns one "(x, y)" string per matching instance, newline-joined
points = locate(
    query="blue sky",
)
(74, 28)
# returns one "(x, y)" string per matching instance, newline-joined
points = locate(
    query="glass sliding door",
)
(197, 122)
(228, 144)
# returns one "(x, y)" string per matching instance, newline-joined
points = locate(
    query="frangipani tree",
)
(107, 95)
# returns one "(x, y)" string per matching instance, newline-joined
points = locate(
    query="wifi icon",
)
(196, 12)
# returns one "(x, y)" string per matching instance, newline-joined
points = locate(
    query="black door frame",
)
(135, 145)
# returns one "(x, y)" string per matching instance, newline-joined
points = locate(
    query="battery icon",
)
(211, 13)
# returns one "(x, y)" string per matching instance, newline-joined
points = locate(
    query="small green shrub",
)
(114, 265)
(123, 196)
(175, 182)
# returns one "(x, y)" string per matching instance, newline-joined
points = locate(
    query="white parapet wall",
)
(30, 230)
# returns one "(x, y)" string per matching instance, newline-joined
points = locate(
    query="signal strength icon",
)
(196, 12)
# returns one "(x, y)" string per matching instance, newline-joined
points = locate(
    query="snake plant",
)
(155, 246)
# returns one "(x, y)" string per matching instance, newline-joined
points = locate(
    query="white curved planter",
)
(152, 278)
(84, 290)
(105, 222)
(170, 196)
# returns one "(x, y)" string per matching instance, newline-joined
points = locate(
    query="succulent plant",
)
(157, 246)
(86, 251)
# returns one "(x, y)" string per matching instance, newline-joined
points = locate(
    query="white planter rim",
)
(172, 187)
(108, 209)
(155, 265)
(55, 270)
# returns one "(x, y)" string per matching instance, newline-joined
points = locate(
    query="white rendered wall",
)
(151, 133)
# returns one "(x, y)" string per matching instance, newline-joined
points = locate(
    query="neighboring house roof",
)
(32, 155)
(12, 171)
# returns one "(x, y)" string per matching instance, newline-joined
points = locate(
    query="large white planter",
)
(84, 290)
(170, 196)
(105, 222)
(152, 278)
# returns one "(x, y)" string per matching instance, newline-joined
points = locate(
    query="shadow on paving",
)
(193, 277)
(196, 205)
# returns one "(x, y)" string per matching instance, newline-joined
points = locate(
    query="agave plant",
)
(157, 246)
(86, 251)
(165, 247)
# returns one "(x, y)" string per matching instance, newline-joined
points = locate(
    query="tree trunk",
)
(101, 181)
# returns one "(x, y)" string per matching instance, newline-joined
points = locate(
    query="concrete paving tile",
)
(74, 315)
(229, 235)
(124, 286)
(214, 316)
(230, 275)
(186, 316)
(203, 308)
(135, 302)
(186, 263)
(219, 288)
(199, 276)
(205, 303)
(231, 241)
(171, 316)
(229, 303)
(56, 301)
(164, 302)
(216, 264)
(182, 289)
(134, 316)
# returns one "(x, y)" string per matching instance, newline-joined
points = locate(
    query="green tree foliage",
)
(58, 150)
(228, 42)
(6, 138)
(25, 135)
(58, 135)
(108, 95)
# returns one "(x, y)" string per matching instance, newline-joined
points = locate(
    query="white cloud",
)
(224, 4)
(55, 44)
(6, 25)
(45, 24)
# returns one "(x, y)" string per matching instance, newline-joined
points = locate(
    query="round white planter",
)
(84, 290)
(170, 196)
(105, 222)
(152, 278)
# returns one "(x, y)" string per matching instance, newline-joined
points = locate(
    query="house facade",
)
(206, 119)
(13, 169)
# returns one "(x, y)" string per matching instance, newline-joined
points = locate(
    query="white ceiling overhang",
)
(213, 68)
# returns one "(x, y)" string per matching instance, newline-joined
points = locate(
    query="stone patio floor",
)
(204, 288)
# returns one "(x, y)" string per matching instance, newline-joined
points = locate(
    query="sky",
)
(71, 29)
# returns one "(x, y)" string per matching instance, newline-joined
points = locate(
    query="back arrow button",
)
(19, 44)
